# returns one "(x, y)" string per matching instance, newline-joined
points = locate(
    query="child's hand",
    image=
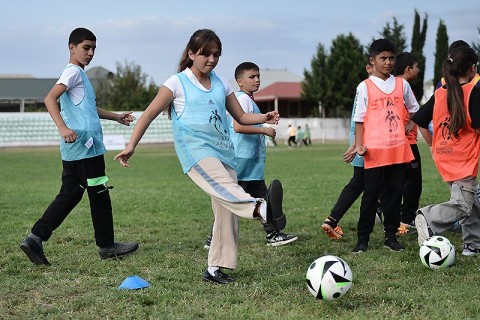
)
(350, 154)
(361, 150)
(268, 131)
(125, 118)
(68, 135)
(272, 117)
(123, 156)
(409, 127)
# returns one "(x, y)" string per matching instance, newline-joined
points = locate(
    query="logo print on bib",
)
(444, 127)
(392, 119)
(217, 122)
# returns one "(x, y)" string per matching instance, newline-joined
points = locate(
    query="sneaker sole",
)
(281, 243)
(331, 233)
(422, 229)
(119, 256)
(393, 249)
(32, 256)
(469, 253)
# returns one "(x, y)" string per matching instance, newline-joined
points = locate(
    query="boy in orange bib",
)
(381, 105)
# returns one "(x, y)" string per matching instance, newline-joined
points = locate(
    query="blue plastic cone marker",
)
(133, 283)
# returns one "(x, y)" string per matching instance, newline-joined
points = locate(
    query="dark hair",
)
(402, 61)
(79, 35)
(457, 44)
(381, 45)
(456, 65)
(245, 66)
(203, 40)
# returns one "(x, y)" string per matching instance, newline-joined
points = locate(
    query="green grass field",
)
(155, 204)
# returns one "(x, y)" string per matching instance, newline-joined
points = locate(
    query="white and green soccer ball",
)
(437, 252)
(329, 278)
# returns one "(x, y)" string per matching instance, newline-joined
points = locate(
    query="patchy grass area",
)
(155, 204)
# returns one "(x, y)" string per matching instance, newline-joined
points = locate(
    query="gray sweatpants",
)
(463, 206)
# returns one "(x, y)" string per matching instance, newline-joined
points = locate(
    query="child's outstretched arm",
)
(236, 111)
(161, 101)
(123, 118)
(51, 102)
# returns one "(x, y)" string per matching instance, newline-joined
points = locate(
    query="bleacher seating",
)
(38, 129)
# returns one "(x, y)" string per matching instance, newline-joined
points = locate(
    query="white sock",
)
(212, 270)
(263, 209)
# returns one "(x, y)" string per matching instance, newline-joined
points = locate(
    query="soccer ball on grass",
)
(437, 252)
(329, 278)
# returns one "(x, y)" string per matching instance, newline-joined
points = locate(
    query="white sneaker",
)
(470, 250)
(423, 231)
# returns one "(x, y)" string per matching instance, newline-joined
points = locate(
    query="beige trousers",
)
(229, 201)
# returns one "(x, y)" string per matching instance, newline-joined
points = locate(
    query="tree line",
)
(330, 81)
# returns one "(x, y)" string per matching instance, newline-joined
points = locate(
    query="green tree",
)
(395, 34)
(334, 77)
(315, 80)
(419, 35)
(127, 89)
(441, 51)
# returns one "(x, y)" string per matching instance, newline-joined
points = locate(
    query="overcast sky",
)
(276, 34)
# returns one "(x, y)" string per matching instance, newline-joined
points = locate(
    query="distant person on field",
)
(292, 135)
(300, 136)
(308, 135)
(197, 100)
(406, 66)
(78, 122)
(250, 148)
(454, 109)
(381, 106)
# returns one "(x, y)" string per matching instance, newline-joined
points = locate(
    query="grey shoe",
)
(470, 250)
(118, 250)
(424, 232)
(34, 251)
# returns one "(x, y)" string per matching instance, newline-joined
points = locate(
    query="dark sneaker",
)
(34, 251)
(392, 243)
(275, 214)
(362, 246)
(218, 277)
(331, 228)
(456, 227)
(118, 250)
(424, 232)
(208, 242)
(470, 250)
(278, 238)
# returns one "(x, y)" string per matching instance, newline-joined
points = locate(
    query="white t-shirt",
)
(173, 84)
(386, 86)
(72, 78)
(246, 103)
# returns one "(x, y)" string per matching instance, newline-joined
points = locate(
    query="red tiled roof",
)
(281, 90)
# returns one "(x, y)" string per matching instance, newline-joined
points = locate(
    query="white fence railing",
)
(38, 129)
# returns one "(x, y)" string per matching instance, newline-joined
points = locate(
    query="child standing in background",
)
(250, 149)
(381, 104)
(406, 66)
